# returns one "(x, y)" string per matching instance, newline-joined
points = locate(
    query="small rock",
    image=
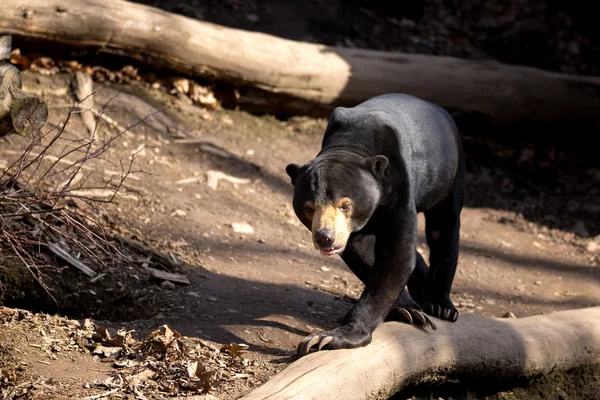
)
(504, 244)
(212, 299)
(325, 269)
(537, 283)
(167, 285)
(509, 315)
(242, 227)
(193, 294)
(178, 213)
(592, 246)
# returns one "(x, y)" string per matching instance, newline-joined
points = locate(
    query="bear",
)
(381, 163)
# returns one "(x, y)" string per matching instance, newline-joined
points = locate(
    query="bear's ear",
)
(378, 164)
(292, 171)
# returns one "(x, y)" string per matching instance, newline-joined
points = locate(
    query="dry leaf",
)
(127, 364)
(141, 377)
(235, 349)
(44, 66)
(202, 378)
(182, 85)
(101, 334)
(107, 351)
(163, 339)
(20, 60)
(203, 96)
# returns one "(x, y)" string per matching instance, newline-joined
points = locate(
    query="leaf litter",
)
(164, 364)
(167, 362)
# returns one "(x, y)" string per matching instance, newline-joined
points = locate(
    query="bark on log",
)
(19, 112)
(309, 75)
(477, 347)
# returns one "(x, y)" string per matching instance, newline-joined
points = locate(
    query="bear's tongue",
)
(330, 252)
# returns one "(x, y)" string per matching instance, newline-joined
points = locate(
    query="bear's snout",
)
(324, 238)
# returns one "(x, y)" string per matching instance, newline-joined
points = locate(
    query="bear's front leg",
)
(394, 262)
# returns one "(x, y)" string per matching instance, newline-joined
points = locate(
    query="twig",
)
(262, 338)
(71, 260)
(167, 276)
(142, 248)
(49, 157)
(19, 251)
(105, 394)
(108, 120)
(35, 212)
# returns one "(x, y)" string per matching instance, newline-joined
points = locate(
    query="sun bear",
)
(381, 163)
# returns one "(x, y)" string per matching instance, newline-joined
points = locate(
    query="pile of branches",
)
(48, 192)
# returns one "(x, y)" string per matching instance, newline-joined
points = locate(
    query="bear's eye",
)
(309, 209)
(346, 206)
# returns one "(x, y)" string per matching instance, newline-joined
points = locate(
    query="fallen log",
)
(480, 348)
(310, 77)
(19, 112)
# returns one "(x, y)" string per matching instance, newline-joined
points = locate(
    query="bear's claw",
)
(411, 314)
(448, 314)
(342, 337)
(305, 345)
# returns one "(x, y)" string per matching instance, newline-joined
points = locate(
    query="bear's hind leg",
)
(442, 226)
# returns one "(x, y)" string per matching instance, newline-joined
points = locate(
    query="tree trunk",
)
(488, 349)
(308, 76)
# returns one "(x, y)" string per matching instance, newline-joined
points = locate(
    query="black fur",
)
(395, 156)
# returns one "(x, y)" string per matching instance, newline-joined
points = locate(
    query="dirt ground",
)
(530, 239)
(267, 288)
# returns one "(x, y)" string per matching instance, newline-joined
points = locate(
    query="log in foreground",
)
(19, 112)
(477, 347)
(310, 76)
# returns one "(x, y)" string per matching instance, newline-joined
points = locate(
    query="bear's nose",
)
(324, 238)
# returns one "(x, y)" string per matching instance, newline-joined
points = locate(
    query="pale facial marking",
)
(336, 218)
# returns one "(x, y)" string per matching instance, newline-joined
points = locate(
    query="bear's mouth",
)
(331, 251)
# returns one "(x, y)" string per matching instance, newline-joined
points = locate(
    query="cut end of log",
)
(5, 47)
(29, 115)
(20, 113)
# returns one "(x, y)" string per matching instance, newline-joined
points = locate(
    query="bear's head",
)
(336, 194)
